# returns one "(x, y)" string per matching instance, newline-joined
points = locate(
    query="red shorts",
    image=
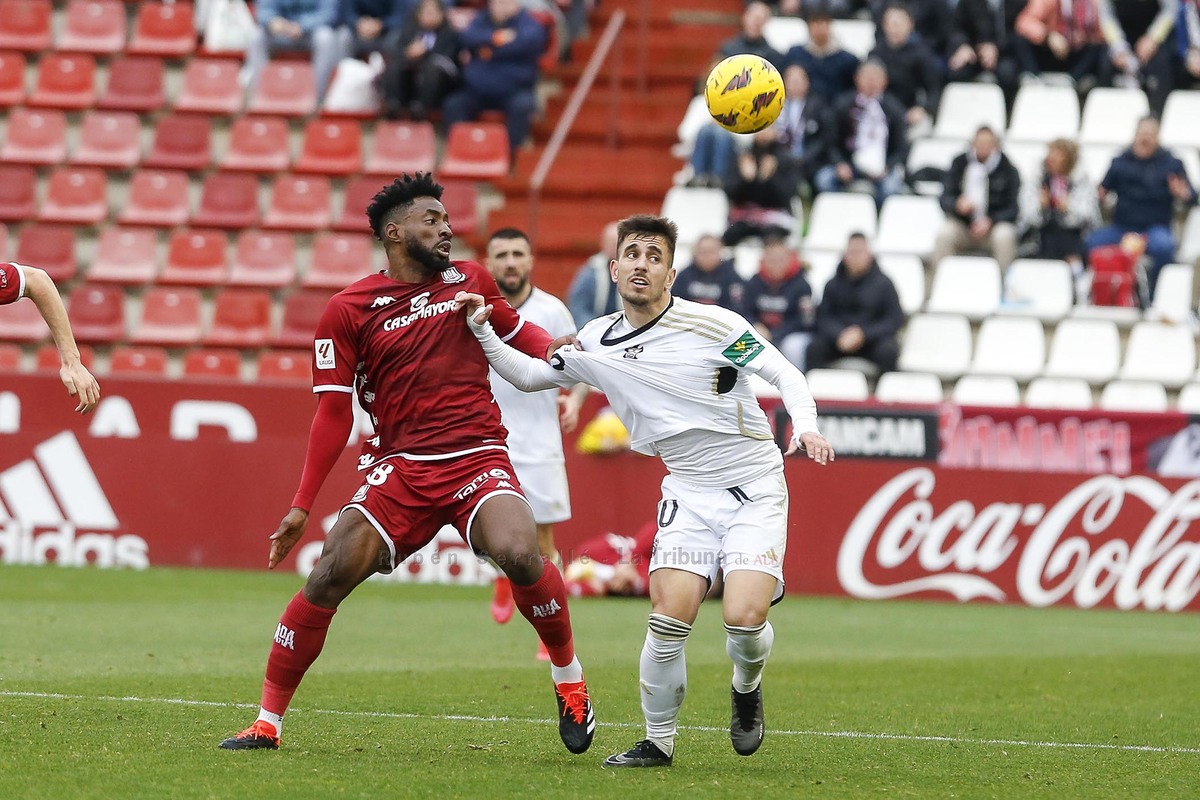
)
(408, 501)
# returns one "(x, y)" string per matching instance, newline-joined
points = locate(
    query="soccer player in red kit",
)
(438, 457)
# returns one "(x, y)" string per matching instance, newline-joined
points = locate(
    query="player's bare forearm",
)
(290, 531)
(79, 381)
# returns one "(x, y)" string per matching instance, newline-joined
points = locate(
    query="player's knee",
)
(745, 614)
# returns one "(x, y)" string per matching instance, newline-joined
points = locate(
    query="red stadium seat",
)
(258, 144)
(205, 364)
(285, 366)
(477, 150)
(181, 142)
(196, 258)
(549, 58)
(76, 194)
(18, 194)
(138, 361)
(158, 198)
(3, 234)
(399, 147)
(263, 259)
(460, 199)
(98, 313)
(301, 313)
(126, 256)
(163, 29)
(12, 79)
(170, 317)
(135, 84)
(10, 355)
(51, 247)
(47, 359)
(93, 26)
(228, 201)
(339, 259)
(358, 195)
(287, 88)
(111, 139)
(22, 322)
(25, 25)
(331, 147)
(65, 81)
(210, 86)
(241, 318)
(35, 137)
(299, 202)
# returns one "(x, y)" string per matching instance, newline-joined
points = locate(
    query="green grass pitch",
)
(120, 684)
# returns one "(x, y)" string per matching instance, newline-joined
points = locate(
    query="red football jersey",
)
(12, 283)
(416, 366)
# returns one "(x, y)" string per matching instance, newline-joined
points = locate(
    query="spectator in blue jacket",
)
(503, 44)
(710, 279)
(422, 63)
(592, 292)
(1187, 45)
(830, 68)
(291, 26)
(778, 302)
(1148, 181)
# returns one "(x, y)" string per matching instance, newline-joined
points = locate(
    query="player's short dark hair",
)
(508, 233)
(398, 194)
(652, 225)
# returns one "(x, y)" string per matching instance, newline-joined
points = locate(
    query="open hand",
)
(80, 383)
(286, 535)
(817, 446)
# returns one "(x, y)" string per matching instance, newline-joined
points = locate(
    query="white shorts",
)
(545, 486)
(701, 530)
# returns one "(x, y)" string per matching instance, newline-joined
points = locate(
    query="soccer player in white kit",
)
(675, 373)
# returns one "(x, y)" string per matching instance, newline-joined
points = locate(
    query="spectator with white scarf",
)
(980, 196)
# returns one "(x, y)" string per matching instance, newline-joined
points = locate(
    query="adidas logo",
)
(547, 610)
(285, 637)
(52, 503)
(382, 301)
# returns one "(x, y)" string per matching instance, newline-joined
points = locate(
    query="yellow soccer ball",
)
(744, 93)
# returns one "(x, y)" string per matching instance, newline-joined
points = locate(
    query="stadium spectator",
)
(859, 314)
(981, 198)
(985, 45)
(914, 75)
(710, 278)
(761, 187)
(783, 8)
(1063, 36)
(592, 292)
(933, 21)
(1148, 181)
(1136, 31)
(829, 66)
(805, 125)
(870, 138)
(750, 38)
(1187, 46)
(370, 26)
(1060, 207)
(503, 44)
(712, 156)
(422, 63)
(778, 301)
(17, 281)
(295, 26)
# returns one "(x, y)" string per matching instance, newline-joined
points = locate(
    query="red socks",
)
(299, 638)
(544, 604)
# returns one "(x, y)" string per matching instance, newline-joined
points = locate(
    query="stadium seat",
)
(696, 211)
(299, 203)
(22, 322)
(476, 150)
(1188, 251)
(1125, 395)
(838, 384)
(170, 317)
(1071, 394)
(1014, 346)
(135, 84)
(10, 356)
(836, 215)
(285, 366)
(51, 247)
(1028, 157)
(1089, 349)
(163, 29)
(241, 318)
(459, 200)
(35, 136)
(1189, 399)
(339, 259)
(908, 276)
(158, 198)
(1179, 117)
(1173, 298)
(263, 259)
(910, 223)
(1191, 163)
(93, 26)
(822, 264)
(258, 144)
(400, 147)
(3, 232)
(25, 25)
(1042, 112)
(1111, 115)
(138, 362)
(967, 285)
(784, 33)
(76, 194)
(196, 258)
(18, 193)
(1095, 159)
(12, 79)
(695, 118)
(109, 139)
(937, 343)
(212, 364)
(331, 147)
(857, 36)
(126, 256)
(1042, 288)
(228, 200)
(964, 107)
(181, 141)
(98, 314)
(747, 257)
(210, 86)
(935, 153)
(46, 359)
(65, 81)
(908, 387)
(986, 390)
(1160, 352)
(301, 313)
(355, 199)
(286, 88)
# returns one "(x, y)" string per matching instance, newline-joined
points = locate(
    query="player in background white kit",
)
(675, 373)
(537, 420)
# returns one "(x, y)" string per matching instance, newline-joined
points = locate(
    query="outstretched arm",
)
(525, 373)
(75, 376)
(773, 367)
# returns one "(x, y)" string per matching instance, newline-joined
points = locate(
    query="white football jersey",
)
(534, 435)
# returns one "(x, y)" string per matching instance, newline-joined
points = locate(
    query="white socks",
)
(663, 673)
(571, 673)
(749, 648)
(274, 719)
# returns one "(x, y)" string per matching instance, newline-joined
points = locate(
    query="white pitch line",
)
(892, 737)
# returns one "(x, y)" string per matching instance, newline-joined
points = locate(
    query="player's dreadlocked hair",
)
(398, 194)
(649, 224)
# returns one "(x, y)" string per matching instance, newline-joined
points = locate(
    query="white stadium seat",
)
(1189, 399)
(909, 224)
(856, 36)
(936, 153)
(1173, 295)
(1089, 349)
(784, 33)
(837, 384)
(747, 258)
(1111, 115)
(908, 387)
(1013, 346)
(836, 215)
(695, 118)
(1095, 159)
(1160, 352)
(965, 107)
(1133, 396)
(937, 343)
(908, 276)
(822, 264)
(1191, 163)
(1042, 288)
(1189, 240)
(696, 212)
(1041, 113)
(967, 285)
(1179, 128)
(987, 390)
(1064, 393)
(1027, 157)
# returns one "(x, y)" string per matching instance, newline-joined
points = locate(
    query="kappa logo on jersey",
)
(547, 609)
(380, 302)
(633, 352)
(285, 637)
(744, 350)
(324, 352)
(452, 275)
